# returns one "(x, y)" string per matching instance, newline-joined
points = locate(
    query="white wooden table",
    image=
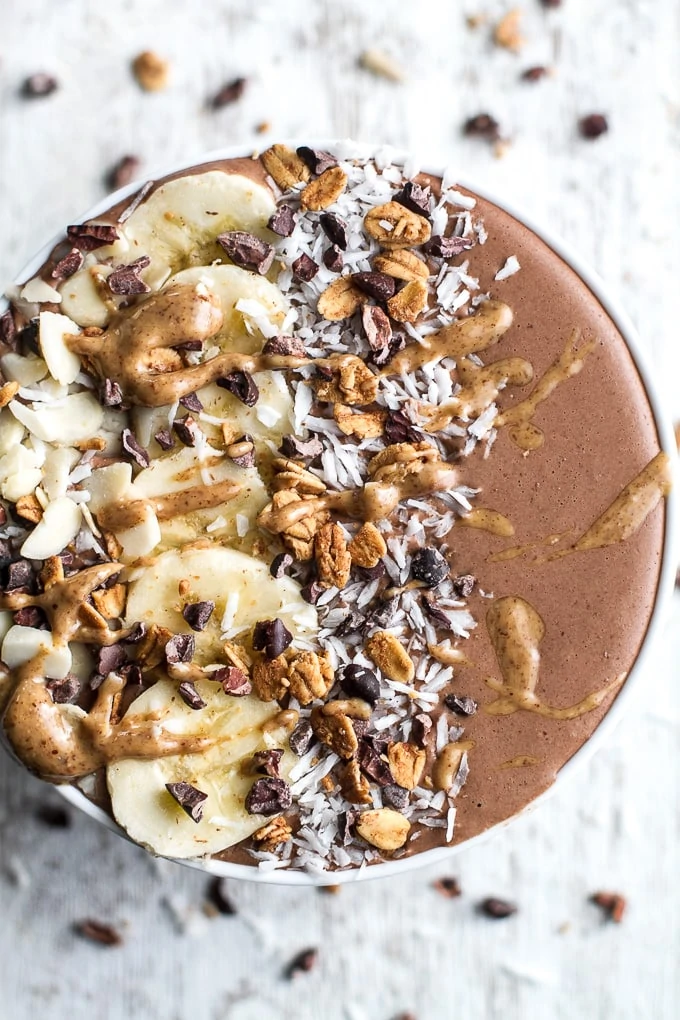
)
(397, 945)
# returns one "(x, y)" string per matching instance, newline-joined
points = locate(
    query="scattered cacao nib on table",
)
(99, 932)
(497, 909)
(612, 904)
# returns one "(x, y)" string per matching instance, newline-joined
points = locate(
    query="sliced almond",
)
(36, 291)
(62, 363)
(390, 656)
(401, 264)
(72, 419)
(59, 526)
(22, 644)
(385, 829)
(341, 300)
(325, 190)
(285, 166)
(394, 226)
(141, 539)
(409, 302)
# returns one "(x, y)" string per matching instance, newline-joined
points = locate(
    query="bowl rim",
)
(669, 558)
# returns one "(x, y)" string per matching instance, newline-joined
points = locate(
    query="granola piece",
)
(365, 425)
(367, 547)
(110, 602)
(332, 557)
(390, 656)
(385, 829)
(332, 725)
(341, 299)
(29, 508)
(151, 71)
(353, 784)
(90, 617)
(398, 460)
(290, 474)
(310, 676)
(237, 656)
(297, 531)
(325, 190)
(114, 549)
(272, 834)
(402, 264)
(52, 572)
(353, 384)
(285, 166)
(8, 392)
(270, 678)
(409, 302)
(406, 764)
(392, 225)
(507, 32)
(150, 651)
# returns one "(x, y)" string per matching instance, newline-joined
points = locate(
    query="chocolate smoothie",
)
(333, 512)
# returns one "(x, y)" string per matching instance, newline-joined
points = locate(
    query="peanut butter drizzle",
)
(485, 519)
(521, 550)
(516, 631)
(121, 515)
(479, 388)
(522, 430)
(520, 761)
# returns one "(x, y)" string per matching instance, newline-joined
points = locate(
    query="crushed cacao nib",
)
(189, 798)
(68, 265)
(371, 758)
(385, 354)
(272, 637)
(448, 887)
(123, 172)
(301, 738)
(483, 125)
(268, 762)
(533, 74)
(268, 796)
(8, 330)
(291, 446)
(335, 229)
(189, 345)
(592, 126)
(64, 692)
(97, 931)
(134, 449)
(27, 338)
(612, 904)
(20, 577)
(398, 429)
(359, 682)
(187, 430)
(110, 658)
(383, 615)
(377, 326)
(463, 585)
(219, 897)
(316, 159)
(30, 616)
(435, 612)
(429, 566)
(110, 393)
(497, 909)
(304, 269)
(234, 681)
(53, 815)
(333, 259)
(302, 963)
(247, 251)
(39, 85)
(197, 614)
(377, 285)
(420, 728)
(90, 236)
(282, 222)
(346, 820)
(287, 346)
(137, 632)
(280, 565)
(242, 386)
(352, 624)
(125, 280)
(312, 592)
(164, 439)
(190, 696)
(395, 796)
(415, 197)
(372, 573)
(231, 92)
(180, 648)
(192, 402)
(133, 675)
(461, 706)
(447, 247)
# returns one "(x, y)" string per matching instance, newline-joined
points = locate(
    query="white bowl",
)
(670, 554)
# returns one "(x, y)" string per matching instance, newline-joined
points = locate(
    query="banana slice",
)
(176, 227)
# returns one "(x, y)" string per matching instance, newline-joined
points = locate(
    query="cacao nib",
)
(272, 637)
(377, 326)
(304, 269)
(110, 393)
(8, 330)
(180, 648)
(110, 658)
(164, 439)
(134, 449)
(268, 796)
(461, 706)
(359, 682)
(197, 614)
(301, 738)
(371, 757)
(20, 577)
(189, 798)
(377, 285)
(282, 222)
(268, 762)
(64, 692)
(312, 592)
(592, 126)
(383, 356)
(280, 565)
(190, 696)
(316, 159)
(286, 346)
(192, 402)
(125, 281)
(398, 429)
(483, 125)
(68, 265)
(229, 93)
(396, 796)
(90, 236)
(291, 446)
(242, 386)
(123, 172)
(447, 247)
(187, 430)
(463, 585)
(335, 229)
(30, 616)
(234, 681)
(332, 259)
(429, 566)
(415, 197)
(247, 251)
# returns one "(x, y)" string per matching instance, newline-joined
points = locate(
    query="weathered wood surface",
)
(393, 945)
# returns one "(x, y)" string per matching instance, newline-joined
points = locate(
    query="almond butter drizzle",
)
(516, 631)
(485, 519)
(121, 515)
(479, 388)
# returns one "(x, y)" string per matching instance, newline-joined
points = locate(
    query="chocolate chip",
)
(316, 159)
(234, 681)
(39, 85)
(377, 285)
(312, 592)
(282, 222)
(448, 887)
(301, 738)
(268, 796)
(461, 706)
(197, 614)
(110, 658)
(53, 815)
(287, 346)
(30, 616)
(420, 728)
(483, 125)
(613, 904)
(377, 326)
(123, 172)
(335, 229)
(96, 931)
(463, 585)
(429, 566)
(187, 430)
(533, 74)
(396, 796)
(272, 636)
(291, 446)
(64, 692)
(125, 281)
(189, 799)
(164, 439)
(304, 269)
(242, 385)
(68, 265)
(8, 330)
(447, 247)
(180, 648)
(268, 762)
(496, 908)
(229, 93)
(133, 448)
(592, 126)
(110, 393)
(219, 897)
(90, 236)
(280, 565)
(191, 402)
(302, 963)
(190, 695)
(359, 682)
(332, 259)
(415, 197)
(20, 576)
(247, 251)
(371, 758)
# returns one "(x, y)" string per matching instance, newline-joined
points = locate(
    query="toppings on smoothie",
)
(247, 251)
(268, 796)
(189, 799)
